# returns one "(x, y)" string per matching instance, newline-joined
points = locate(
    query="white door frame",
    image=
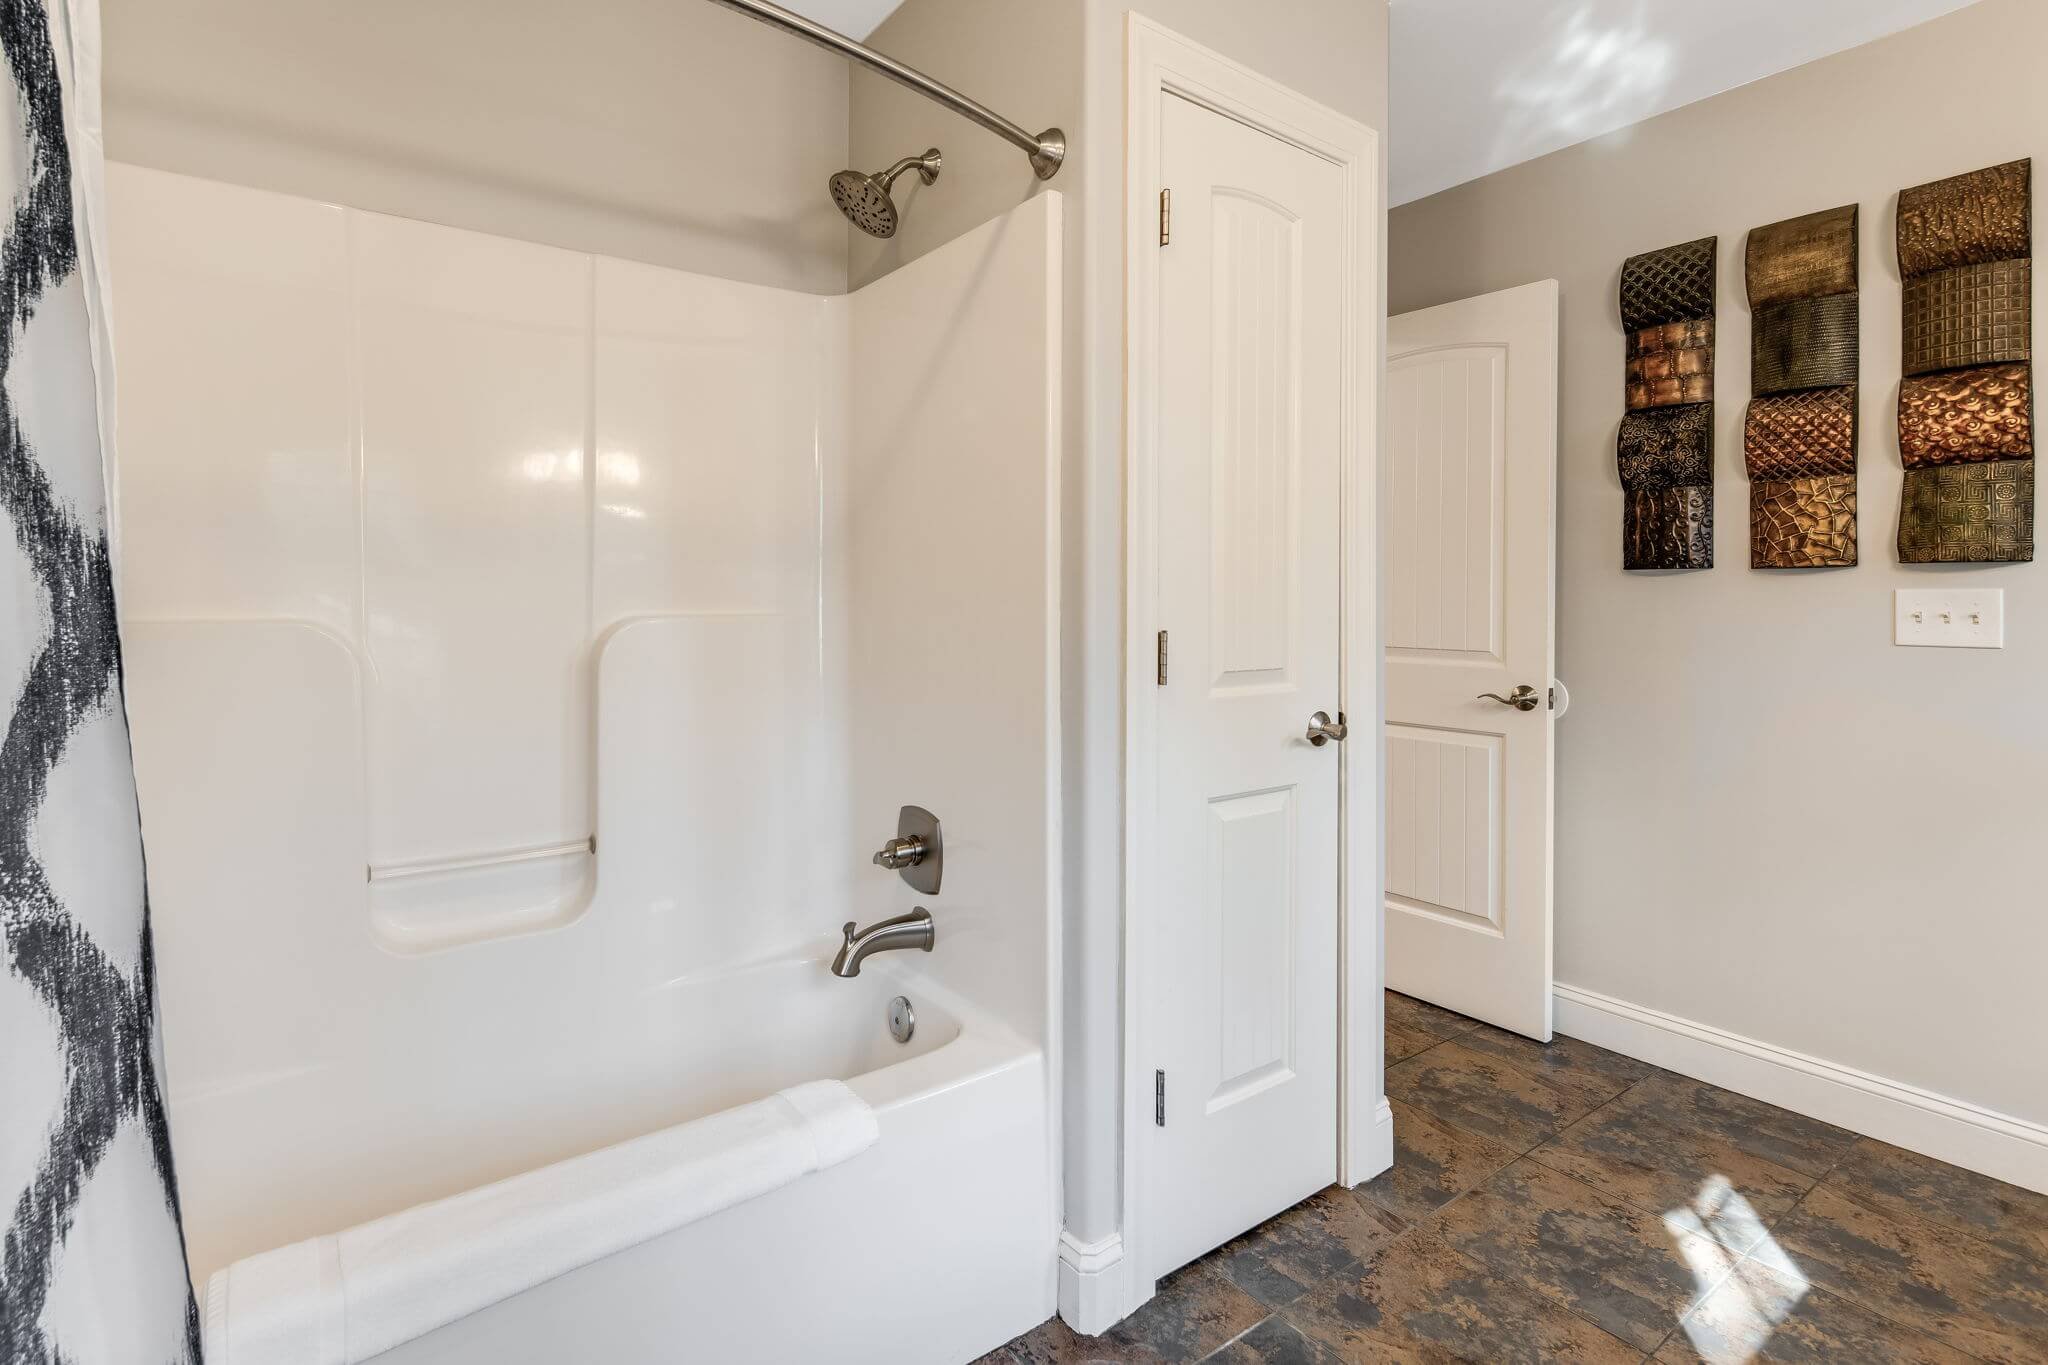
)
(1161, 62)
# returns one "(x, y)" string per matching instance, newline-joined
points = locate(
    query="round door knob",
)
(1321, 729)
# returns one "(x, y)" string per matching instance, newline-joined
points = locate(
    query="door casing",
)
(1161, 63)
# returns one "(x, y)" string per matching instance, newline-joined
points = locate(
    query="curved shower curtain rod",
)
(1046, 150)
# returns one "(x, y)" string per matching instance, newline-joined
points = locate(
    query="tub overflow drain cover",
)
(902, 1019)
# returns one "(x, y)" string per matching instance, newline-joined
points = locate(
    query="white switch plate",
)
(1963, 618)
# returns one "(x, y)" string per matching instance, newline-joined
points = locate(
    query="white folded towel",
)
(345, 1298)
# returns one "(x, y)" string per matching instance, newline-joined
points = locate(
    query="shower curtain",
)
(92, 1261)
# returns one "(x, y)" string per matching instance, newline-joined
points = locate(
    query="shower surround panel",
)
(526, 647)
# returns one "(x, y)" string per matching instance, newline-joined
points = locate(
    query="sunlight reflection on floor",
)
(1747, 1283)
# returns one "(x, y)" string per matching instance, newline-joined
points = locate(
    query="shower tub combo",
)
(521, 678)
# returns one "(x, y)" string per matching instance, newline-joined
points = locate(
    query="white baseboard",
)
(1095, 1284)
(1951, 1130)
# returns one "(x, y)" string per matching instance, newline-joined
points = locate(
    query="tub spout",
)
(913, 930)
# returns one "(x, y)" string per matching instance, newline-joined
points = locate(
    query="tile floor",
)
(1566, 1203)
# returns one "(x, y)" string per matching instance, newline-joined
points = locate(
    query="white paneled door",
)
(1471, 583)
(1243, 1029)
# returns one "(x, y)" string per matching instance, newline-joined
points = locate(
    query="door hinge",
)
(1162, 658)
(1165, 217)
(1159, 1099)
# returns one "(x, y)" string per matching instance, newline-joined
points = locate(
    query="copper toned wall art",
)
(1670, 364)
(1962, 415)
(1665, 451)
(1966, 408)
(1799, 436)
(1807, 523)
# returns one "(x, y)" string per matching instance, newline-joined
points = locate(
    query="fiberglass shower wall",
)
(449, 558)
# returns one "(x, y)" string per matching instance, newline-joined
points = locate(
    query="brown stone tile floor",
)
(1562, 1203)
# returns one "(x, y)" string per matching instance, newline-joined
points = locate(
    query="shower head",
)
(864, 199)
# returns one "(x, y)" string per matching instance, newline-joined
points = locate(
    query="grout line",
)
(1271, 1313)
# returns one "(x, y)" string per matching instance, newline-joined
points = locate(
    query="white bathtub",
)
(930, 1246)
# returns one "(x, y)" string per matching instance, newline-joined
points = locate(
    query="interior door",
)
(1471, 598)
(1243, 1019)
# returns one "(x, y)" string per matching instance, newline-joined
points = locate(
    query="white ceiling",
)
(854, 18)
(1479, 85)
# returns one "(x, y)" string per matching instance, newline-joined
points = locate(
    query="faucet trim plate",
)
(918, 852)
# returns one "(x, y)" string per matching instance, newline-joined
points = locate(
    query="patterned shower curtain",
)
(92, 1261)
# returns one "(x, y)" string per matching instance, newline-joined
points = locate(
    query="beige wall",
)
(1062, 61)
(1769, 818)
(668, 131)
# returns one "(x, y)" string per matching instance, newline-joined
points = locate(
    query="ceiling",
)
(854, 18)
(1479, 85)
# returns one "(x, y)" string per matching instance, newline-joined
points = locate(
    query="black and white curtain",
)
(92, 1261)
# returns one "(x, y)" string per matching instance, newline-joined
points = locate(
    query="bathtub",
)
(930, 1246)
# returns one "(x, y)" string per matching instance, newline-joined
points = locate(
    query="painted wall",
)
(668, 131)
(1770, 819)
(1062, 61)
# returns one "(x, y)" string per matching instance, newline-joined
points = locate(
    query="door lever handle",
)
(1321, 729)
(1523, 698)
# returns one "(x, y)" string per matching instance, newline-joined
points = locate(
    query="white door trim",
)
(1162, 62)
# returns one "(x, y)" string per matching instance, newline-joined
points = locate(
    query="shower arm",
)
(1046, 150)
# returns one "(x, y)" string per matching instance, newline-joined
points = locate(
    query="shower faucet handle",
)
(898, 854)
(918, 852)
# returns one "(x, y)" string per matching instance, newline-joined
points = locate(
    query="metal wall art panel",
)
(1969, 315)
(1967, 219)
(1671, 364)
(1966, 407)
(1804, 523)
(1801, 435)
(1968, 514)
(1665, 449)
(1804, 344)
(1962, 416)
(1668, 528)
(1672, 285)
(1803, 258)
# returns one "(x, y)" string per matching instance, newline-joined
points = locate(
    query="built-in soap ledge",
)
(421, 906)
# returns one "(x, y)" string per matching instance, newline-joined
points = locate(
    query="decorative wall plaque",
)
(1979, 513)
(1967, 220)
(1803, 258)
(1962, 415)
(1970, 315)
(1966, 408)
(1671, 364)
(1799, 436)
(1668, 528)
(1807, 523)
(1672, 285)
(1790, 435)
(1803, 344)
(1665, 450)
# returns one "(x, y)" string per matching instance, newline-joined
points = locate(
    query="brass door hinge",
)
(1165, 217)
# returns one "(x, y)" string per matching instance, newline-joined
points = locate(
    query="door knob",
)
(1523, 698)
(1321, 729)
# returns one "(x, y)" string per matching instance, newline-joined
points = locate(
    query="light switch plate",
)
(1960, 618)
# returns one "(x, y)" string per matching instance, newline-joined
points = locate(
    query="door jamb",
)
(1159, 63)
